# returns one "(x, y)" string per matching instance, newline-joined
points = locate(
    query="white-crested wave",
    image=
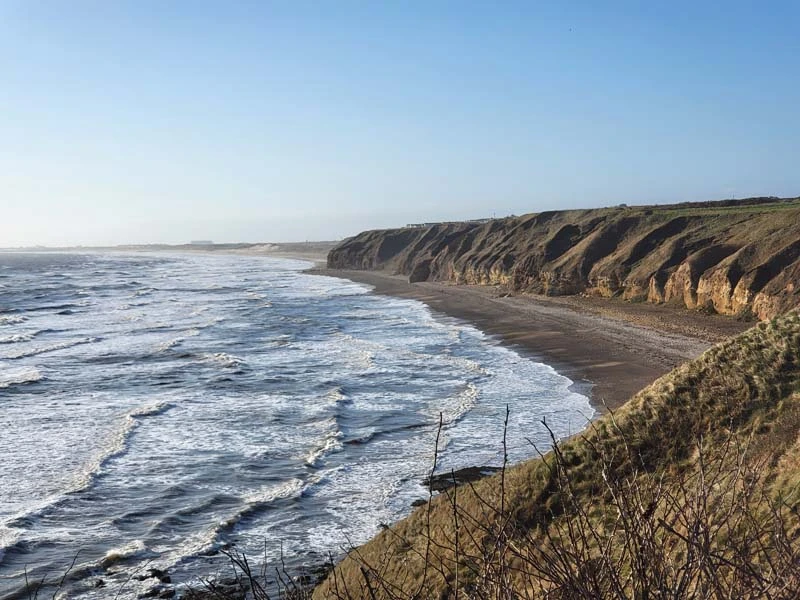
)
(51, 348)
(338, 396)
(116, 445)
(12, 319)
(332, 442)
(17, 338)
(329, 425)
(466, 364)
(10, 376)
(132, 549)
(8, 537)
(206, 542)
(223, 359)
(464, 401)
(169, 344)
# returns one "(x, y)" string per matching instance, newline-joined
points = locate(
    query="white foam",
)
(116, 445)
(8, 537)
(464, 402)
(332, 442)
(132, 549)
(52, 348)
(224, 359)
(169, 344)
(16, 338)
(18, 375)
(267, 494)
(207, 541)
(466, 364)
(337, 396)
(12, 319)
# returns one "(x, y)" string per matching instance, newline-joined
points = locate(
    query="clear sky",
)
(151, 121)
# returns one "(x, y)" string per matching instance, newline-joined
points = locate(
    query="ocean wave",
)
(133, 549)
(338, 396)
(17, 337)
(464, 401)
(12, 319)
(466, 364)
(43, 349)
(332, 442)
(362, 351)
(9, 538)
(224, 360)
(170, 344)
(18, 376)
(58, 307)
(376, 434)
(117, 445)
(210, 541)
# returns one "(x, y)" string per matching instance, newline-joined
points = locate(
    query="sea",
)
(156, 409)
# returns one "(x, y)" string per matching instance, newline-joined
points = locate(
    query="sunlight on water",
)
(156, 408)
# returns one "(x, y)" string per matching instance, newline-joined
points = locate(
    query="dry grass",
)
(690, 490)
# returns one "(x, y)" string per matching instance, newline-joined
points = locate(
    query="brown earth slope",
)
(691, 490)
(732, 257)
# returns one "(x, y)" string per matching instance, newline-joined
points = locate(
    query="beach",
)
(610, 348)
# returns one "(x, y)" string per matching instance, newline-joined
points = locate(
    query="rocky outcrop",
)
(733, 257)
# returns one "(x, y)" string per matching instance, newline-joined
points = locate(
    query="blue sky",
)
(154, 121)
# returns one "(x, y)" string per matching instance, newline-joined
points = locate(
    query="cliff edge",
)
(732, 257)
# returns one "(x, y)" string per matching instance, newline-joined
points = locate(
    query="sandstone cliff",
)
(732, 257)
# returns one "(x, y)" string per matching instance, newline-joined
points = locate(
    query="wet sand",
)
(611, 349)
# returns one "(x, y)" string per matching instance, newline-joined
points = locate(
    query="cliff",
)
(733, 257)
(692, 489)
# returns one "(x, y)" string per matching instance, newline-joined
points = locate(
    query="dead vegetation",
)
(692, 490)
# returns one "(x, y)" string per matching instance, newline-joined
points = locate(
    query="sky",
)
(162, 122)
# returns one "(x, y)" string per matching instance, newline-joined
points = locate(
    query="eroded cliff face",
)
(739, 259)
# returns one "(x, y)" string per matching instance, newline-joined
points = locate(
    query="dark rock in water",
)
(444, 481)
(154, 573)
(159, 591)
(99, 583)
(419, 502)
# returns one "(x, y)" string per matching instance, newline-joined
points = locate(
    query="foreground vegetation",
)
(691, 490)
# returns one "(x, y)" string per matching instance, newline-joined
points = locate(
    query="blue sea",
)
(156, 408)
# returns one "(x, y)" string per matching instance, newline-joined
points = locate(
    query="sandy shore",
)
(611, 349)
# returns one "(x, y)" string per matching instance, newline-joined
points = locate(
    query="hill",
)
(692, 489)
(732, 257)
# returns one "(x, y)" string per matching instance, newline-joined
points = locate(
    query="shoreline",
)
(610, 349)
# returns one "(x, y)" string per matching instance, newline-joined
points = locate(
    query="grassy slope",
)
(737, 407)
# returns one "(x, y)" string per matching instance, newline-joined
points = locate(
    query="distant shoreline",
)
(609, 349)
(316, 252)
